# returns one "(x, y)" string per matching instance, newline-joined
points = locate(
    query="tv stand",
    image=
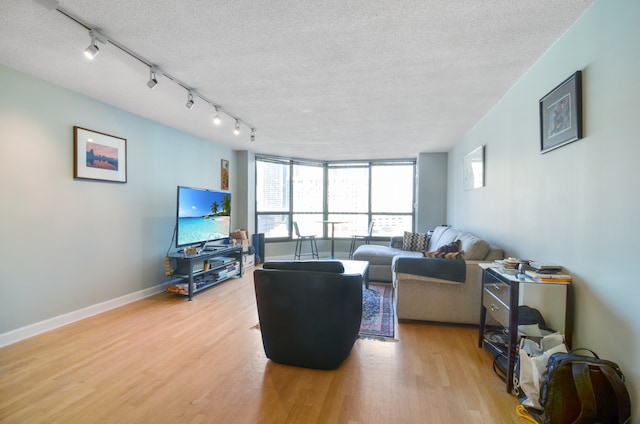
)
(206, 269)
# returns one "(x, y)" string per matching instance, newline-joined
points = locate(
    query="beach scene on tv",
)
(203, 215)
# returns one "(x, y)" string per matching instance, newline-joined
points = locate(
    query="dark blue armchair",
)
(310, 312)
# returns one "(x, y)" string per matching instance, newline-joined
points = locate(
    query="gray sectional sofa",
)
(430, 289)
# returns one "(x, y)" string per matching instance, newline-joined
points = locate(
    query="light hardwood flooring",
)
(167, 360)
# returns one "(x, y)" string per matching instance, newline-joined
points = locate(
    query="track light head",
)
(153, 81)
(236, 130)
(92, 51)
(189, 104)
(253, 134)
(216, 119)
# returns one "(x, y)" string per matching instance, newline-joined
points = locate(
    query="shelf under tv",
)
(206, 269)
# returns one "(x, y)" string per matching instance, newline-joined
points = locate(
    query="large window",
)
(273, 185)
(308, 199)
(349, 193)
(392, 189)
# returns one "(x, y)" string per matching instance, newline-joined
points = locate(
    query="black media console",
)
(194, 273)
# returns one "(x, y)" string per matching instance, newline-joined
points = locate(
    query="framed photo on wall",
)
(99, 156)
(224, 174)
(561, 114)
(473, 169)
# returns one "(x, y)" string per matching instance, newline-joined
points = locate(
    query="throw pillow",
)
(448, 251)
(416, 242)
(454, 246)
(450, 255)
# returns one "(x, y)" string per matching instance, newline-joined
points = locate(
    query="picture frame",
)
(561, 114)
(98, 156)
(473, 169)
(224, 174)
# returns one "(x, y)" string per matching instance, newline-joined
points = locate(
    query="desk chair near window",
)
(302, 239)
(355, 238)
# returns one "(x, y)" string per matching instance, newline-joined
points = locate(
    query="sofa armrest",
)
(396, 242)
(445, 269)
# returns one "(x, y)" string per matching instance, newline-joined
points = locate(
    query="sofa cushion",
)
(415, 242)
(474, 247)
(378, 255)
(442, 236)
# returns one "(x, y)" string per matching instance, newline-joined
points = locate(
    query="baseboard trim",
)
(19, 334)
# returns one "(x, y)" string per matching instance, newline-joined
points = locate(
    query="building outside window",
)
(350, 193)
(273, 184)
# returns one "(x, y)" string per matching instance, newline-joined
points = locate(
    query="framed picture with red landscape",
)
(98, 156)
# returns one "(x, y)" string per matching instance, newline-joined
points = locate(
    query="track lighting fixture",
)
(189, 104)
(153, 81)
(92, 51)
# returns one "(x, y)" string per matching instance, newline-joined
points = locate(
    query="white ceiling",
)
(332, 79)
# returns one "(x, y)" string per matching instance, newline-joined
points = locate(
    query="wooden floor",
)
(168, 360)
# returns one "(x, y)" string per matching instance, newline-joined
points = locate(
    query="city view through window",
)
(349, 194)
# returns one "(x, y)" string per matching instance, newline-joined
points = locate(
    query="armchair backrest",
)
(309, 266)
(308, 318)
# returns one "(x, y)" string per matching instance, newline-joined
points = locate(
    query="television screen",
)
(202, 216)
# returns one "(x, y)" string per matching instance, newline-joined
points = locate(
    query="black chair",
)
(299, 242)
(355, 238)
(310, 312)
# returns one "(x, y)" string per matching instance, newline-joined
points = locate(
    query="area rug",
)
(378, 318)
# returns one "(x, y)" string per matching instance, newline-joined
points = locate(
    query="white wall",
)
(68, 244)
(577, 205)
(431, 197)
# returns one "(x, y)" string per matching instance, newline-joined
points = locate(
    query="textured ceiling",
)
(334, 79)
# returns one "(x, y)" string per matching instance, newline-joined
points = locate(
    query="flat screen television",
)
(202, 216)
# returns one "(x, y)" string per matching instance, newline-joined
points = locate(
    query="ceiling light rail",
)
(154, 72)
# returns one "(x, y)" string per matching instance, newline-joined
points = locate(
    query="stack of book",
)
(546, 273)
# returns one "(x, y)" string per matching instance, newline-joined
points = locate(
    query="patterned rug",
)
(378, 318)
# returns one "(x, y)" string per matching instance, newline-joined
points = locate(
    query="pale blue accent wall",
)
(68, 244)
(431, 191)
(577, 205)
